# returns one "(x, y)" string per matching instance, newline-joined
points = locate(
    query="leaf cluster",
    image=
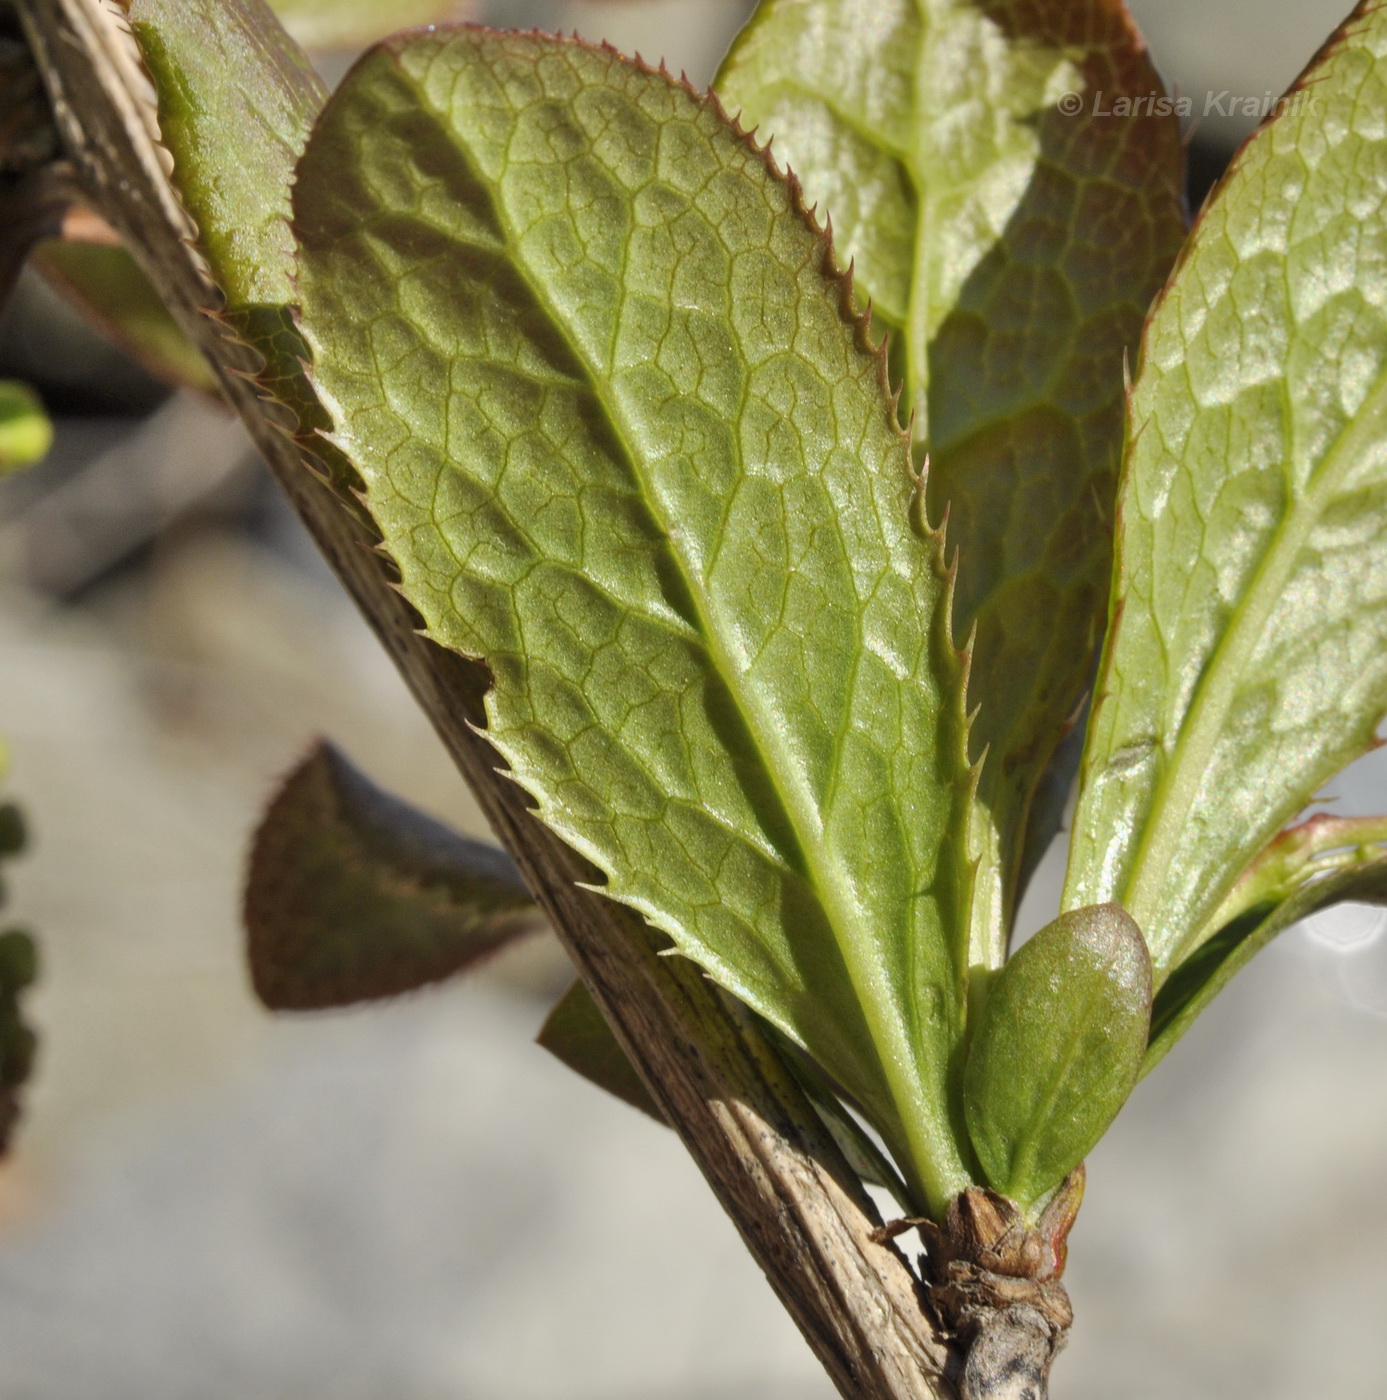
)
(790, 601)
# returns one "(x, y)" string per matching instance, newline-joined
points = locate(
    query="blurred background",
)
(413, 1201)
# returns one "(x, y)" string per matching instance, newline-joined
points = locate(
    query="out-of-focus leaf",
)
(106, 285)
(1057, 1049)
(353, 895)
(1247, 660)
(18, 970)
(351, 24)
(18, 1043)
(576, 1033)
(1356, 871)
(1011, 226)
(621, 431)
(13, 831)
(25, 432)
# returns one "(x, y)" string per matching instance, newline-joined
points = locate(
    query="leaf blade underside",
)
(1011, 249)
(624, 438)
(236, 101)
(1245, 664)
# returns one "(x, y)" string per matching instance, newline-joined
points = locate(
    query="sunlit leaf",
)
(1057, 1049)
(1011, 211)
(618, 426)
(1247, 661)
(353, 895)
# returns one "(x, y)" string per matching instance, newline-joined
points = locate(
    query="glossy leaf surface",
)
(353, 895)
(1010, 246)
(25, 432)
(1057, 1049)
(620, 429)
(1247, 662)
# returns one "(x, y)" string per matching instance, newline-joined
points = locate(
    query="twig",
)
(741, 1115)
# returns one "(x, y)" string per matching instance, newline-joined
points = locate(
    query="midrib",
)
(937, 1164)
(1208, 713)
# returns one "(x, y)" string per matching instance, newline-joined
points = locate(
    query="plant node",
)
(994, 1284)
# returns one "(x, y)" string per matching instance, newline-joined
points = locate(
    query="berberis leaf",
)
(236, 99)
(353, 895)
(1057, 1049)
(623, 433)
(1246, 662)
(1009, 187)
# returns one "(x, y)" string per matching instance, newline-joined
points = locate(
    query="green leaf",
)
(348, 24)
(106, 285)
(1325, 861)
(1057, 1049)
(576, 1033)
(353, 895)
(25, 432)
(1246, 662)
(620, 429)
(1011, 249)
(236, 101)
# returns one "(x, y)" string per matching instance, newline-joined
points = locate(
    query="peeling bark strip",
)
(741, 1115)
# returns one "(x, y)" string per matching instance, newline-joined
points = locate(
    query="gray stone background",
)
(412, 1201)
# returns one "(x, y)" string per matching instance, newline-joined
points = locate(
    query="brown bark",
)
(741, 1115)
